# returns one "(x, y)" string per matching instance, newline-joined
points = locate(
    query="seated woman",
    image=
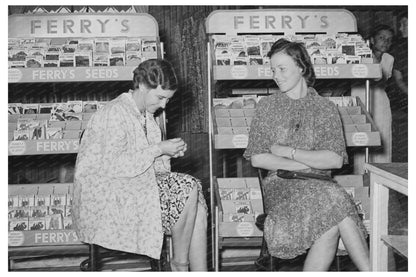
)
(125, 196)
(296, 129)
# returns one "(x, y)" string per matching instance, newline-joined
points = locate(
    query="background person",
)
(380, 42)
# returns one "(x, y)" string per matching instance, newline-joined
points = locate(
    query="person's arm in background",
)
(398, 79)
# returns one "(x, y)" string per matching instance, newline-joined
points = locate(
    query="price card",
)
(239, 72)
(240, 141)
(360, 139)
(245, 229)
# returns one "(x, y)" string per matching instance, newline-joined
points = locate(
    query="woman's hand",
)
(173, 147)
(281, 150)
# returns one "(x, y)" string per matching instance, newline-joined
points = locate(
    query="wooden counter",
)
(382, 178)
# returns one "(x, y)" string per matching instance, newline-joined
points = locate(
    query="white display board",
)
(82, 25)
(287, 21)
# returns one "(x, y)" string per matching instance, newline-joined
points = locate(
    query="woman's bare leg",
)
(355, 244)
(182, 233)
(198, 249)
(322, 252)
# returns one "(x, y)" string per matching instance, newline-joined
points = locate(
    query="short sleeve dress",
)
(300, 211)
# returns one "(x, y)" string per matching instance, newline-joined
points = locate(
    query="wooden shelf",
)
(398, 243)
(43, 147)
(231, 141)
(70, 74)
(327, 71)
(240, 141)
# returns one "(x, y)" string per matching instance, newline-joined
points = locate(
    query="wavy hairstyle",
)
(298, 53)
(154, 72)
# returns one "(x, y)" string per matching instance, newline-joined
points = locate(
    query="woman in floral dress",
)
(125, 196)
(296, 129)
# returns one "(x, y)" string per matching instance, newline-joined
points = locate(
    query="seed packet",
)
(226, 193)
(89, 106)
(18, 224)
(133, 44)
(21, 135)
(15, 108)
(54, 133)
(118, 46)
(242, 207)
(38, 211)
(117, 59)
(30, 108)
(83, 58)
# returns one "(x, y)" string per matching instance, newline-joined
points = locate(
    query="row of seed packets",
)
(40, 210)
(50, 120)
(324, 49)
(77, 52)
(241, 199)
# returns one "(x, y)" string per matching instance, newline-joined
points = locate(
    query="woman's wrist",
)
(155, 150)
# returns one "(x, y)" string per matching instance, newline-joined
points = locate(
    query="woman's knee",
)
(331, 235)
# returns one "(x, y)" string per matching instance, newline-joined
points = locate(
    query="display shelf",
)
(239, 226)
(42, 238)
(70, 74)
(43, 147)
(85, 26)
(359, 128)
(33, 251)
(327, 71)
(366, 133)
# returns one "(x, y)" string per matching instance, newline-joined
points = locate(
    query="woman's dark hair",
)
(380, 28)
(299, 54)
(155, 72)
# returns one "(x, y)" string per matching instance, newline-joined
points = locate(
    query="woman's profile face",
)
(157, 99)
(403, 27)
(382, 41)
(286, 73)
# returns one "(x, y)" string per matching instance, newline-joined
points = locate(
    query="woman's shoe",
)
(177, 266)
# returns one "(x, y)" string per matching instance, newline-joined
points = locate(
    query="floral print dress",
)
(123, 192)
(300, 211)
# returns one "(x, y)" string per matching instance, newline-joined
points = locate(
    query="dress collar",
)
(311, 92)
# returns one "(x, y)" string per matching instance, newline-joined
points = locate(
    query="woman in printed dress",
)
(296, 129)
(125, 196)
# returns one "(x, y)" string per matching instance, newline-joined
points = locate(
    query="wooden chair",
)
(101, 258)
(265, 260)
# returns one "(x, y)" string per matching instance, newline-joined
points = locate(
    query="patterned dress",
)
(300, 211)
(125, 197)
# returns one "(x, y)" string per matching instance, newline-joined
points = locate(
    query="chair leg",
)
(94, 257)
(338, 262)
(156, 265)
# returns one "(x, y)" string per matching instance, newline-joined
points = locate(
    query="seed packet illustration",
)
(54, 133)
(242, 207)
(21, 135)
(30, 108)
